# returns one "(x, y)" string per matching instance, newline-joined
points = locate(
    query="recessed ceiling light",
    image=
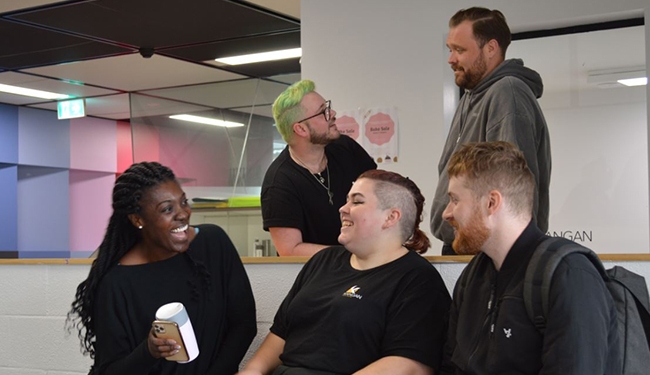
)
(32, 93)
(259, 57)
(634, 81)
(207, 120)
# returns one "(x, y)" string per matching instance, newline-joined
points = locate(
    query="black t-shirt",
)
(293, 198)
(223, 315)
(339, 319)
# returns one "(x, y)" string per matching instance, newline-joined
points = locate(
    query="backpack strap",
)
(539, 275)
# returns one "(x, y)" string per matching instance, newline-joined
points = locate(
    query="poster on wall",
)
(348, 123)
(375, 129)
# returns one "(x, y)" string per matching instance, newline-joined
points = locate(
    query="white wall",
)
(36, 298)
(379, 53)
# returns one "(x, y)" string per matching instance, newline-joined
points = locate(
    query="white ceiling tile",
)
(133, 72)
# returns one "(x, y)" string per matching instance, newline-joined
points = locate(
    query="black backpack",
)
(629, 292)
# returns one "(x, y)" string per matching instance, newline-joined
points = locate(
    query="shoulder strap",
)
(539, 275)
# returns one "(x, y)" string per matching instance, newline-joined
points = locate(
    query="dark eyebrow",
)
(183, 197)
(354, 195)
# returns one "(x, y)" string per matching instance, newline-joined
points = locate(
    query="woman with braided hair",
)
(372, 306)
(151, 256)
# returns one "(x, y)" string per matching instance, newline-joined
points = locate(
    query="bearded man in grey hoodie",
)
(499, 104)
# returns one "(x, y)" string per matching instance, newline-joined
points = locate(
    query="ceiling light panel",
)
(207, 121)
(261, 57)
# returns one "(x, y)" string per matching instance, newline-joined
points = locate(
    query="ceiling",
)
(94, 49)
(104, 50)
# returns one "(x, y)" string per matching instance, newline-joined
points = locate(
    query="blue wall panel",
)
(9, 208)
(8, 134)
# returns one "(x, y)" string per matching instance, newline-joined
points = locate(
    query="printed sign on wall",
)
(375, 129)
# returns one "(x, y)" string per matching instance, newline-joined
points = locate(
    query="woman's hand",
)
(161, 348)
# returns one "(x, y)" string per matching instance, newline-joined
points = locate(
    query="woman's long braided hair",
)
(120, 237)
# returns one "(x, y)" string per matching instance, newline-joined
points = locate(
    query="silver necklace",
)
(320, 179)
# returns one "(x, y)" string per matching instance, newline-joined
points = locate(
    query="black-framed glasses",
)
(326, 112)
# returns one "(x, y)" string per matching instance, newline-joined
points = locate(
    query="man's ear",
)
(136, 220)
(394, 215)
(492, 48)
(494, 201)
(300, 129)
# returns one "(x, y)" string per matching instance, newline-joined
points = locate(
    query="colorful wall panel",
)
(56, 180)
(93, 144)
(90, 208)
(43, 209)
(43, 140)
(8, 134)
(9, 211)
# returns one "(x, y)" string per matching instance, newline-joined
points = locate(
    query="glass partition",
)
(219, 139)
(599, 135)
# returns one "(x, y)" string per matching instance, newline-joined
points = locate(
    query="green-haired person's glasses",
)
(326, 112)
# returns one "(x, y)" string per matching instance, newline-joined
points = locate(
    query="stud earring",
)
(139, 226)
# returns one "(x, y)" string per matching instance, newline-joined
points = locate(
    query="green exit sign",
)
(71, 109)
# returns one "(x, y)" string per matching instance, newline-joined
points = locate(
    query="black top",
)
(499, 337)
(223, 317)
(339, 319)
(293, 198)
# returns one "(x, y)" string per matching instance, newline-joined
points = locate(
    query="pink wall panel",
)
(93, 144)
(90, 208)
(124, 146)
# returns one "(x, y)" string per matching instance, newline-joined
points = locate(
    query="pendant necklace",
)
(320, 179)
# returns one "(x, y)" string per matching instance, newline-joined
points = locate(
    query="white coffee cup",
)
(175, 312)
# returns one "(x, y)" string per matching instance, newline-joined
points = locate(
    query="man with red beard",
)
(499, 104)
(308, 182)
(491, 192)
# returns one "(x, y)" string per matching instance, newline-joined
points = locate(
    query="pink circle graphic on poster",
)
(349, 126)
(380, 128)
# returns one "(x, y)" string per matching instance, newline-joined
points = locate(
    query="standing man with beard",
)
(308, 182)
(499, 104)
(491, 192)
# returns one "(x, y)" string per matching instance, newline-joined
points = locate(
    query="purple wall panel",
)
(43, 209)
(43, 139)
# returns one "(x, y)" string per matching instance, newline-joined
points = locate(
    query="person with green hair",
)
(307, 183)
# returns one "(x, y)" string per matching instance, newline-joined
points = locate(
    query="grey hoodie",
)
(502, 107)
